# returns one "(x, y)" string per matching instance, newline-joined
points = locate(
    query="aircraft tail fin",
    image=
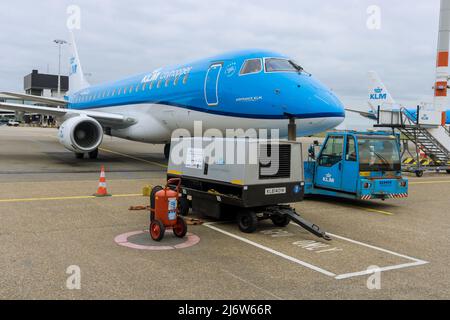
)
(77, 79)
(378, 94)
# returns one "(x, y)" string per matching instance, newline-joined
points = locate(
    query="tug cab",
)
(356, 165)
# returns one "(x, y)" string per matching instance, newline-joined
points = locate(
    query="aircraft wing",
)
(362, 113)
(37, 99)
(106, 119)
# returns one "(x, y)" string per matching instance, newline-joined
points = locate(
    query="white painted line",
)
(367, 272)
(379, 249)
(277, 253)
(416, 262)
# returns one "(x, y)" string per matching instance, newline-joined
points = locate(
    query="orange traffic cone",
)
(101, 191)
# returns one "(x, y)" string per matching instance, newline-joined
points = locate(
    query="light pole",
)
(60, 43)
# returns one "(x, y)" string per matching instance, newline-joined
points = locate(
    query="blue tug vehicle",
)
(356, 165)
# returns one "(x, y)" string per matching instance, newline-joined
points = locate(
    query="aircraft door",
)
(330, 164)
(212, 84)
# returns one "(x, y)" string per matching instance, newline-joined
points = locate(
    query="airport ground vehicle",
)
(164, 211)
(356, 165)
(248, 189)
(13, 123)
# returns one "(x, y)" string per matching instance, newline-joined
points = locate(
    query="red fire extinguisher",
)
(164, 211)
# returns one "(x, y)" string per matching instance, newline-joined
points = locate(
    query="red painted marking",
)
(442, 59)
(122, 240)
(440, 89)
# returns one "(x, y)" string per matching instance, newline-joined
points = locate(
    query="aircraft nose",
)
(323, 103)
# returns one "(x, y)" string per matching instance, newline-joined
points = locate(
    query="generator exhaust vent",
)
(267, 162)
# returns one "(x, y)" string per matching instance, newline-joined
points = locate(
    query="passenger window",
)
(251, 66)
(177, 78)
(350, 154)
(332, 152)
(186, 77)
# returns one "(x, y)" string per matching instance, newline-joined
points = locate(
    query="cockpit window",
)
(282, 65)
(251, 66)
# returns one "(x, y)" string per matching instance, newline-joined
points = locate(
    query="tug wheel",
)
(280, 220)
(247, 221)
(157, 230)
(180, 229)
(419, 173)
(152, 201)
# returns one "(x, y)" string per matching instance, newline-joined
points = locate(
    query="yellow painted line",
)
(429, 182)
(134, 158)
(379, 211)
(67, 198)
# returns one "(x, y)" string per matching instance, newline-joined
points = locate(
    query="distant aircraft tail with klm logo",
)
(378, 94)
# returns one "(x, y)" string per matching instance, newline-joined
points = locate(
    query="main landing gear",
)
(167, 151)
(92, 155)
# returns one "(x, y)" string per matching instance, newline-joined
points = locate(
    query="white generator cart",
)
(247, 179)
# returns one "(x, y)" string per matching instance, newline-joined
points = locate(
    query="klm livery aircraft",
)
(379, 96)
(239, 90)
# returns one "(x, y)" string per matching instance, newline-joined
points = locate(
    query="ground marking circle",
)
(124, 241)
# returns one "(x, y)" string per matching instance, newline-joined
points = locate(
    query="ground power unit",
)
(245, 179)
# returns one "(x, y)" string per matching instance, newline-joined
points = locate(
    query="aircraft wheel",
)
(93, 155)
(167, 151)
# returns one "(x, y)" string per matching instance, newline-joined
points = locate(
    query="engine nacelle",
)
(81, 134)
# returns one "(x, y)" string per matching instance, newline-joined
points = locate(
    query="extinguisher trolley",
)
(164, 212)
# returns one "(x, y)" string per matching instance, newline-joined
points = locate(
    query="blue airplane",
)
(251, 89)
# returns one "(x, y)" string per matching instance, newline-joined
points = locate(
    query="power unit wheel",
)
(419, 173)
(180, 229)
(152, 201)
(280, 220)
(157, 230)
(93, 155)
(79, 155)
(184, 206)
(247, 221)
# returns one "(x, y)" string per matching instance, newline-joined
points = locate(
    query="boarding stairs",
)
(428, 136)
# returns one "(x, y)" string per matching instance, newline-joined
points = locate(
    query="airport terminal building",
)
(37, 84)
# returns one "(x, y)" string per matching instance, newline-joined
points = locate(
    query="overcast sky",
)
(329, 38)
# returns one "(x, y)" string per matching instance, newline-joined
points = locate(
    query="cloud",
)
(329, 38)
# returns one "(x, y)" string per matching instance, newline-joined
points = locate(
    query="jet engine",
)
(81, 134)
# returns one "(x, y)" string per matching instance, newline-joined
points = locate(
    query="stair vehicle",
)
(427, 130)
(356, 165)
(249, 180)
